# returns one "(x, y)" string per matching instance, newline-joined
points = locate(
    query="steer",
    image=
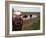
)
(17, 23)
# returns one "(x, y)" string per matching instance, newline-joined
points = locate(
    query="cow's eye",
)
(25, 16)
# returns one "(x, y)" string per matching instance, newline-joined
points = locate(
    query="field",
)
(28, 24)
(32, 24)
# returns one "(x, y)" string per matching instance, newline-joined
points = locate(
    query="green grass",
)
(32, 25)
(36, 25)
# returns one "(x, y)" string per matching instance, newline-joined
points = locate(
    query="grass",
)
(32, 25)
(36, 25)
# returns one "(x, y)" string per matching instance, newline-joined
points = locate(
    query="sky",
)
(26, 9)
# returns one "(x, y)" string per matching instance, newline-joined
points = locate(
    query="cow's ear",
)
(30, 15)
(25, 16)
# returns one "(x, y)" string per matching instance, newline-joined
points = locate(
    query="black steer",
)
(17, 23)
